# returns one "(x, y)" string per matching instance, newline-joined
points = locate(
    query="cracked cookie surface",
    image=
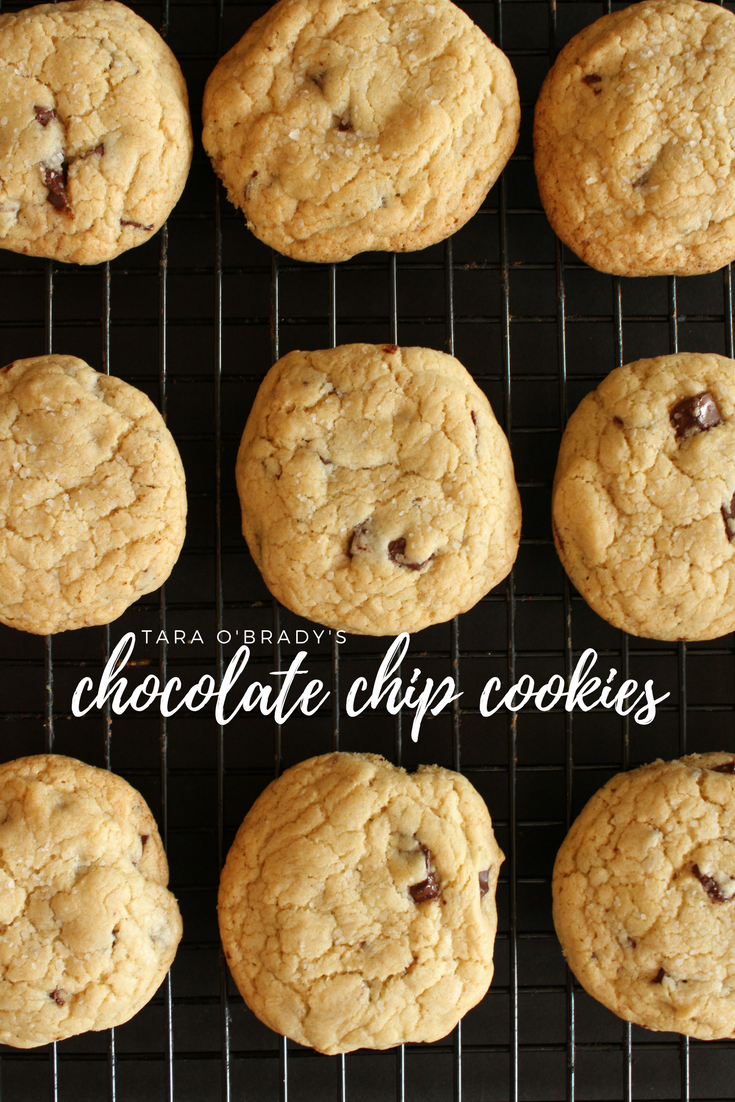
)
(92, 497)
(95, 137)
(357, 904)
(644, 890)
(88, 928)
(633, 140)
(340, 126)
(377, 488)
(643, 505)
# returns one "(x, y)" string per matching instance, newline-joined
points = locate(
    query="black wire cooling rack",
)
(195, 318)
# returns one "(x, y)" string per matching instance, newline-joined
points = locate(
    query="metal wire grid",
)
(526, 1057)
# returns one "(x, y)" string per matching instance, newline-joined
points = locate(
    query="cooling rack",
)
(194, 318)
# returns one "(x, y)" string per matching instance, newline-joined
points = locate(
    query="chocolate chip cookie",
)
(95, 137)
(357, 904)
(644, 891)
(377, 488)
(634, 140)
(88, 928)
(339, 127)
(92, 497)
(644, 497)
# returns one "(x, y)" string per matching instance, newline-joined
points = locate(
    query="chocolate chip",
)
(660, 976)
(96, 152)
(344, 124)
(618, 420)
(143, 839)
(390, 347)
(137, 225)
(710, 885)
(726, 767)
(358, 542)
(592, 79)
(632, 943)
(429, 888)
(56, 996)
(55, 180)
(397, 554)
(318, 78)
(642, 179)
(326, 462)
(484, 877)
(728, 515)
(44, 115)
(696, 414)
(473, 415)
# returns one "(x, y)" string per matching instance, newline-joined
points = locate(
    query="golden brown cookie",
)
(377, 488)
(92, 497)
(357, 904)
(644, 497)
(634, 140)
(95, 137)
(644, 890)
(88, 928)
(344, 126)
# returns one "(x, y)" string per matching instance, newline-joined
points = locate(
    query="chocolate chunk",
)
(44, 115)
(429, 888)
(390, 347)
(358, 541)
(660, 976)
(696, 414)
(137, 225)
(726, 767)
(397, 553)
(590, 80)
(96, 152)
(710, 885)
(55, 995)
(55, 180)
(483, 877)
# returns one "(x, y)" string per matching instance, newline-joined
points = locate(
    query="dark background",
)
(194, 318)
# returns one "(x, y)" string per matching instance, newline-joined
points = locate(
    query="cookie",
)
(339, 126)
(357, 904)
(633, 140)
(644, 497)
(88, 928)
(377, 488)
(644, 887)
(92, 498)
(95, 137)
